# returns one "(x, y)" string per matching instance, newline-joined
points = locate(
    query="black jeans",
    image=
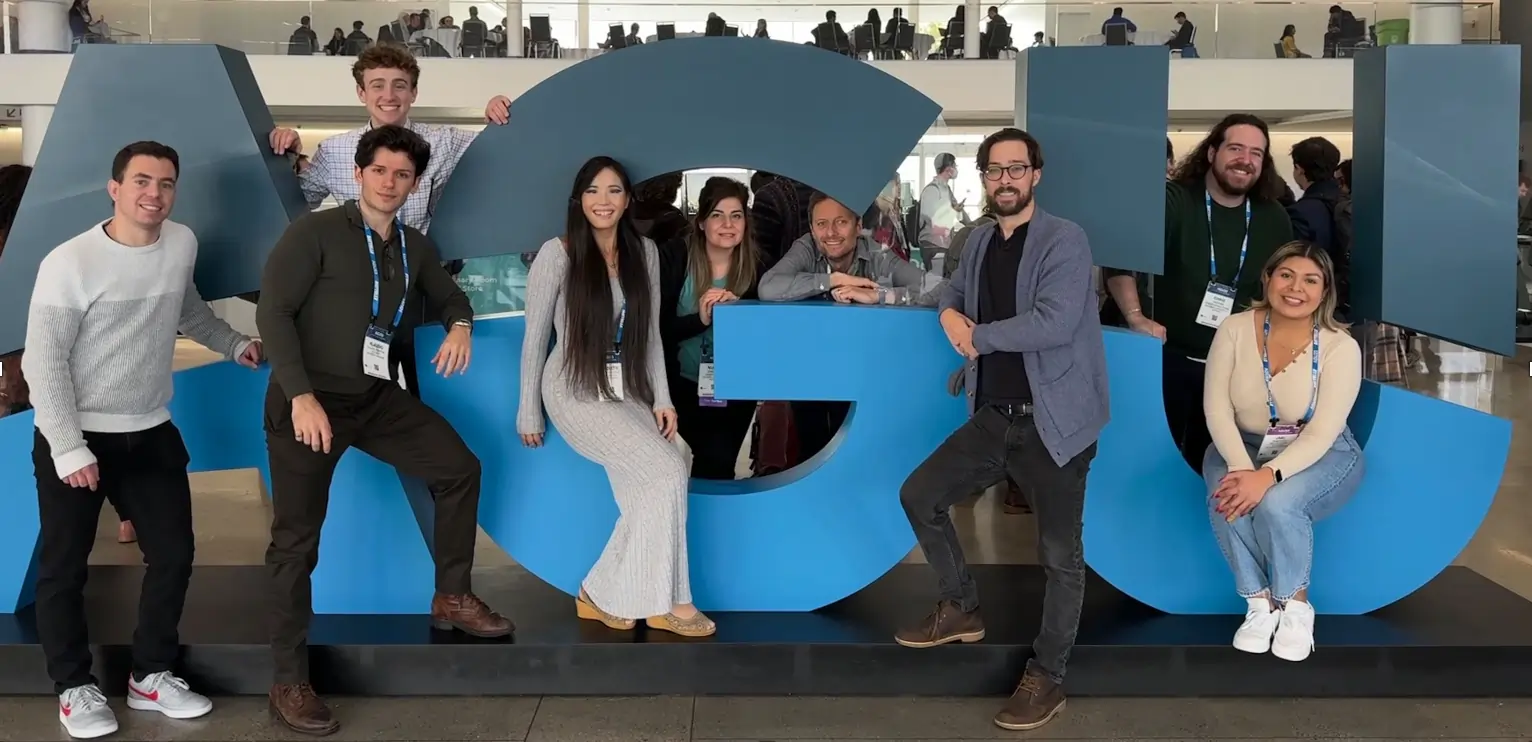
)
(715, 434)
(1183, 379)
(987, 448)
(145, 472)
(394, 427)
(816, 423)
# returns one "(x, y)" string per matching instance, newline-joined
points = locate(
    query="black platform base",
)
(1461, 635)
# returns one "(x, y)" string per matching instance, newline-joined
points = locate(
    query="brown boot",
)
(947, 624)
(301, 710)
(468, 614)
(1036, 701)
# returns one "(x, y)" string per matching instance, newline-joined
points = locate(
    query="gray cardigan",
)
(1056, 329)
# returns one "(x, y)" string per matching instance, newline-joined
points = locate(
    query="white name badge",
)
(706, 388)
(1217, 305)
(1278, 438)
(375, 352)
(614, 376)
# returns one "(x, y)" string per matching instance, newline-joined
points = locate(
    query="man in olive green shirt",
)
(1222, 222)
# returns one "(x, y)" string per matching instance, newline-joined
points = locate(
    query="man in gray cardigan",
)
(1021, 310)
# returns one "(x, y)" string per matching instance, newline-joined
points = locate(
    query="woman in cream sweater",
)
(1281, 379)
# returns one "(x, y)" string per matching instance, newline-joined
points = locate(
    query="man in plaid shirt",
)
(387, 82)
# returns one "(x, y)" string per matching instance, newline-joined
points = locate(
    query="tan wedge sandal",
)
(587, 610)
(698, 625)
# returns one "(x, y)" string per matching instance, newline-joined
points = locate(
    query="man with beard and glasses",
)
(1222, 221)
(1021, 310)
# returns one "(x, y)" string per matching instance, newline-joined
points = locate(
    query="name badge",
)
(1217, 305)
(1278, 438)
(705, 387)
(614, 377)
(375, 352)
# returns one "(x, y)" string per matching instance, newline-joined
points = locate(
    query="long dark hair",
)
(588, 295)
(743, 263)
(1193, 169)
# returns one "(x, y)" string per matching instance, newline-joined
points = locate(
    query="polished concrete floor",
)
(231, 515)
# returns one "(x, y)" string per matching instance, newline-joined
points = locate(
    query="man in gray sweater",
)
(1021, 311)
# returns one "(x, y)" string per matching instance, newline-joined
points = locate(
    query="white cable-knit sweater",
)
(101, 336)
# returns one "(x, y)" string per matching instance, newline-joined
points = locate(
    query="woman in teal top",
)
(716, 252)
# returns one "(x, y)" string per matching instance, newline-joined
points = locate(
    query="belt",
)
(1013, 410)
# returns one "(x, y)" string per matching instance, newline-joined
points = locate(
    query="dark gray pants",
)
(987, 448)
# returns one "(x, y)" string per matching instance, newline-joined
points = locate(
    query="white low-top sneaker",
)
(85, 714)
(167, 694)
(1295, 634)
(1254, 635)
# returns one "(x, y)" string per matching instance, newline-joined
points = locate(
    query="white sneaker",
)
(85, 714)
(1295, 634)
(1254, 635)
(167, 694)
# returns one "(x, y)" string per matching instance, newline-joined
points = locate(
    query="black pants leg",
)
(1183, 379)
(1057, 495)
(715, 434)
(971, 459)
(147, 470)
(816, 423)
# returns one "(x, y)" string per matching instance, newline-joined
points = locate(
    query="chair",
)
(1117, 34)
(1000, 41)
(615, 38)
(542, 36)
(474, 35)
(863, 40)
(731, 31)
(1280, 54)
(904, 40)
(665, 32)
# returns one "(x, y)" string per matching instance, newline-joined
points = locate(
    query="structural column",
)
(43, 26)
(1437, 22)
(582, 10)
(515, 42)
(973, 24)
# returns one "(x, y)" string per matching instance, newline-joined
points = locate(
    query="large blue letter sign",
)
(807, 537)
(1146, 524)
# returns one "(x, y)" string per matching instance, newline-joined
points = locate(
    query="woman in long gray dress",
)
(604, 388)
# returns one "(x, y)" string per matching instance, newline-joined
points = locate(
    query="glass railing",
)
(572, 29)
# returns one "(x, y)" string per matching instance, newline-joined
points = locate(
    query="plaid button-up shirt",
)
(332, 169)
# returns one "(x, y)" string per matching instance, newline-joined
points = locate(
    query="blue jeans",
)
(1272, 548)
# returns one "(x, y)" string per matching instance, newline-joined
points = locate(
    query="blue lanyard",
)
(1212, 257)
(1271, 404)
(622, 319)
(404, 258)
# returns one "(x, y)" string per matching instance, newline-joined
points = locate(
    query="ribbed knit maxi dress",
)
(643, 570)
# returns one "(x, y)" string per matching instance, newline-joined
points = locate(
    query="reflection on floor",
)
(231, 511)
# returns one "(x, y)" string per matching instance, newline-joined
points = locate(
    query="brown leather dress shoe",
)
(468, 614)
(1036, 701)
(947, 624)
(299, 708)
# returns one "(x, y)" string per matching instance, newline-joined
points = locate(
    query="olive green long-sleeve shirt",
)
(316, 298)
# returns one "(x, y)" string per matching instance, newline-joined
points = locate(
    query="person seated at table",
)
(1281, 380)
(714, 262)
(1290, 48)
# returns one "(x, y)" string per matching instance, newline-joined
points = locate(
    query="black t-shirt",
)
(1002, 376)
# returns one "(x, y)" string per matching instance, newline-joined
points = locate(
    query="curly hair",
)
(1193, 169)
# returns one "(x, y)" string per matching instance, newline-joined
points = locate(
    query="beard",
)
(1221, 175)
(1023, 200)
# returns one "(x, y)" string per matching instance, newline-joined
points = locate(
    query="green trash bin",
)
(1393, 31)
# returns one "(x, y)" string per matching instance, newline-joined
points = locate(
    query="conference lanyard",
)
(622, 320)
(1243, 245)
(377, 284)
(1271, 404)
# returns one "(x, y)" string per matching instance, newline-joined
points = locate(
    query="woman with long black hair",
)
(714, 262)
(604, 386)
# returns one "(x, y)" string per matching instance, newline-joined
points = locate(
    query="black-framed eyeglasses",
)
(1017, 172)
